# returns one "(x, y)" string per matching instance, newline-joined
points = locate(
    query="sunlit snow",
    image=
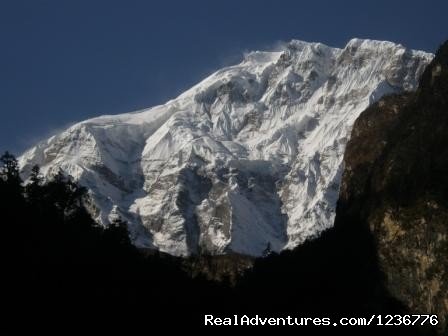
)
(250, 156)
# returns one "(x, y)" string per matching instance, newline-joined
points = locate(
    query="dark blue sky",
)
(63, 61)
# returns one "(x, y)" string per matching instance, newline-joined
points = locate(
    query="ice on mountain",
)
(249, 157)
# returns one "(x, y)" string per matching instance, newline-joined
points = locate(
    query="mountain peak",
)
(249, 157)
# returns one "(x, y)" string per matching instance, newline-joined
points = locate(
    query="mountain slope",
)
(250, 157)
(395, 184)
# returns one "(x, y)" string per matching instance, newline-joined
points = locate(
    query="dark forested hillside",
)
(62, 268)
(395, 185)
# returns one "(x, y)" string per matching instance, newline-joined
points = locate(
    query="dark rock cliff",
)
(396, 184)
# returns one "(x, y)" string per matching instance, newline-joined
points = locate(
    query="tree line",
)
(61, 265)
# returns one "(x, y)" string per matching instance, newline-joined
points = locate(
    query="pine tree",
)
(12, 203)
(65, 194)
(11, 191)
(267, 251)
(9, 170)
(35, 176)
(34, 188)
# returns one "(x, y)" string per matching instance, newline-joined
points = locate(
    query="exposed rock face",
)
(396, 183)
(249, 157)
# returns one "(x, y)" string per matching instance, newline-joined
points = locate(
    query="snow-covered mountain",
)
(249, 157)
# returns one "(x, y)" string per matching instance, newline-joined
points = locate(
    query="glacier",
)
(250, 158)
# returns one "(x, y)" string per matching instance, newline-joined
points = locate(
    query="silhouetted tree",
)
(33, 189)
(35, 176)
(64, 193)
(267, 251)
(9, 171)
(10, 179)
